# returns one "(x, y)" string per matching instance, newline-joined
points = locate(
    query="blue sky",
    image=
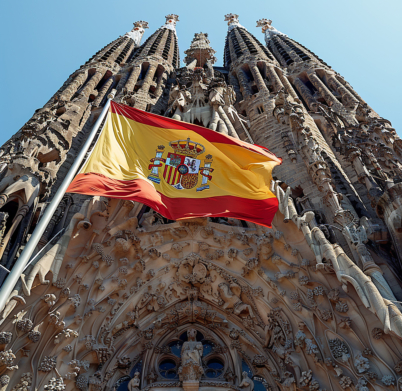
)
(42, 42)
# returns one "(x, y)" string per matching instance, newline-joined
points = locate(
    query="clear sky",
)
(44, 41)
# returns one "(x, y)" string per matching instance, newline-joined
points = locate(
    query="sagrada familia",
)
(117, 297)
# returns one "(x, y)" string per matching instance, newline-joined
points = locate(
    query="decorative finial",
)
(267, 29)
(200, 50)
(264, 24)
(171, 21)
(140, 24)
(137, 32)
(233, 21)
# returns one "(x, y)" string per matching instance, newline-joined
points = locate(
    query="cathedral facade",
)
(118, 297)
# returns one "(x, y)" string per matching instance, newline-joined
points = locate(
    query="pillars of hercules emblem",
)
(206, 173)
(156, 162)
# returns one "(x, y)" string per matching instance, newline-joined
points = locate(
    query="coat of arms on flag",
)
(182, 166)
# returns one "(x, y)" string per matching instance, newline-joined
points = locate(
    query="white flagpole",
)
(18, 268)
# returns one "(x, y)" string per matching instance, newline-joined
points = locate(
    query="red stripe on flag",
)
(167, 123)
(257, 211)
(171, 169)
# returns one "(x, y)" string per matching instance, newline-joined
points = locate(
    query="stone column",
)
(274, 78)
(132, 79)
(226, 120)
(148, 77)
(244, 88)
(306, 94)
(20, 215)
(161, 84)
(72, 88)
(102, 92)
(258, 78)
(215, 118)
(349, 99)
(288, 87)
(119, 87)
(323, 90)
(93, 82)
(234, 82)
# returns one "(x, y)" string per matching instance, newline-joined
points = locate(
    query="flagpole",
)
(17, 270)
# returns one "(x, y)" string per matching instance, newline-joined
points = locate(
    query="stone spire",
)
(286, 50)
(35, 160)
(240, 42)
(137, 32)
(145, 78)
(233, 21)
(268, 30)
(200, 50)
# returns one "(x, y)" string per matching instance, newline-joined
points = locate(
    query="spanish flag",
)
(179, 169)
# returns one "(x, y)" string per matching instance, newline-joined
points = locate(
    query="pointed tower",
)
(145, 75)
(251, 64)
(366, 146)
(279, 121)
(39, 154)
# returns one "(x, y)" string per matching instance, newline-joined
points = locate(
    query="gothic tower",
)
(146, 73)
(37, 154)
(118, 297)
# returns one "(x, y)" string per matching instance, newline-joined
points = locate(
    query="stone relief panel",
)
(195, 304)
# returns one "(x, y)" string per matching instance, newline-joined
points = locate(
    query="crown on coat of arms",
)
(187, 147)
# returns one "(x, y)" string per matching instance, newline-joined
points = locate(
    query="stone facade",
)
(120, 298)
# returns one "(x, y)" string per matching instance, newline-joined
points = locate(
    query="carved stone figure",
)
(191, 354)
(230, 295)
(246, 383)
(134, 383)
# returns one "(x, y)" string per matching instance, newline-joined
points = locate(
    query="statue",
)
(247, 384)
(134, 383)
(230, 294)
(191, 353)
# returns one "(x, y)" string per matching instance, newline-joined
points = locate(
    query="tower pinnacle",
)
(233, 21)
(137, 32)
(267, 29)
(200, 50)
(171, 21)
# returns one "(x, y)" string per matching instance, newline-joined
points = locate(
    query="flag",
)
(179, 169)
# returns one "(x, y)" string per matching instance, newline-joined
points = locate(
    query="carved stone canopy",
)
(200, 50)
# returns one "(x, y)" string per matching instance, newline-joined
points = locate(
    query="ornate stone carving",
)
(191, 364)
